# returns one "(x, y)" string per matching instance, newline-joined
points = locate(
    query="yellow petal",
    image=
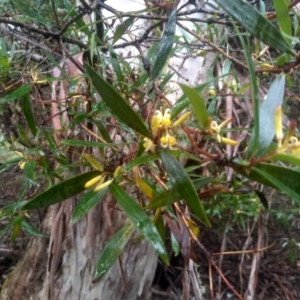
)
(149, 145)
(229, 141)
(167, 113)
(164, 141)
(214, 128)
(172, 141)
(155, 122)
(22, 164)
(166, 119)
(93, 181)
(102, 186)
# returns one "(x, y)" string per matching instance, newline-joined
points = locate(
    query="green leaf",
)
(171, 196)
(16, 94)
(16, 228)
(10, 209)
(141, 160)
(6, 228)
(140, 219)
(254, 93)
(165, 46)
(284, 179)
(122, 28)
(29, 169)
(183, 184)
(175, 245)
(81, 143)
(81, 26)
(30, 12)
(113, 249)
(283, 16)
(117, 68)
(61, 191)
(256, 24)
(288, 158)
(183, 102)
(116, 103)
(28, 113)
(267, 116)
(30, 229)
(197, 102)
(86, 203)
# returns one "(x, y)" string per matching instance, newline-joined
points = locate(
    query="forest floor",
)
(274, 274)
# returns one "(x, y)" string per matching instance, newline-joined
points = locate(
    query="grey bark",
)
(63, 267)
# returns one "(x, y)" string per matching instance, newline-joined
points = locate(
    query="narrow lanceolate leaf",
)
(28, 113)
(140, 219)
(141, 160)
(120, 108)
(171, 196)
(283, 16)
(183, 184)
(82, 143)
(6, 228)
(183, 102)
(197, 102)
(288, 158)
(30, 12)
(284, 179)
(267, 114)
(86, 203)
(165, 46)
(16, 94)
(113, 249)
(61, 191)
(122, 28)
(30, 229)
(254, 94)
(256, 24)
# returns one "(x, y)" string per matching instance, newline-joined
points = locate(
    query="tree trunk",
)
(63, 267)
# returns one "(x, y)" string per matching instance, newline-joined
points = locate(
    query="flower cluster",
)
(214, 130)
(161, 126)
(100, 181)
(289, 143)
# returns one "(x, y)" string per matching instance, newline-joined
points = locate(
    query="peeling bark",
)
(78, 251)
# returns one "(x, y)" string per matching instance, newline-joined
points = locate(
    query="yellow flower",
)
(160, 120)
(149, 145)
(100, 181)
(214, 129)
(35, 77)
(21, 163)
(289, 143)
(168, 141)
(212, 91)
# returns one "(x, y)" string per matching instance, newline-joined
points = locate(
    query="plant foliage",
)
(128, 127)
